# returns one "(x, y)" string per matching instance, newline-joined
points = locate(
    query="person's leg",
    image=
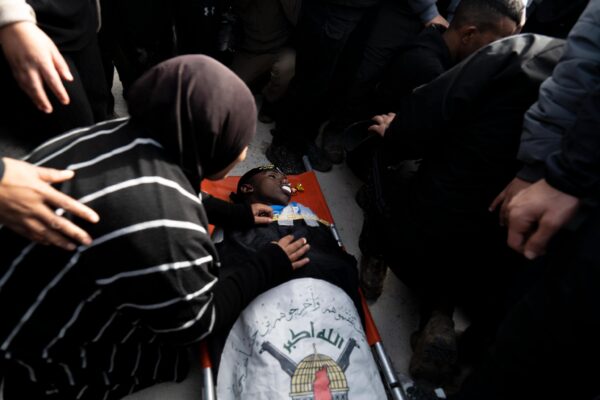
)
(394, 26)
(323, 30)
(250, 67)
(197, 23)
(282, 72)
(91, 71)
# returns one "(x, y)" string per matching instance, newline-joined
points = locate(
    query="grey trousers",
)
(281, 65)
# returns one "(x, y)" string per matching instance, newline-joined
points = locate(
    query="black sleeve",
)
(420, 68)
(575, 169)
(225, 214)
(267, 268)
(423, 117)
(1, 169)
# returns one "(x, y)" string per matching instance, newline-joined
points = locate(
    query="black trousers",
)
(323, 30)
(395, 27)
(23, 126)
(547, 346)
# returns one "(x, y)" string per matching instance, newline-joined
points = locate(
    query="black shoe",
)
(421, 393)
(318, 159)
(267, 112)
(288, 160)
(372, 276)
(435, 357)
(332, 145)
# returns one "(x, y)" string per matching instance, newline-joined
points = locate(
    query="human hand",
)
(438, 20)
(535, 214)
(382, 122)
(25, 200)
(34, 60)
(295, 250)
(263, 214)
(505, 196)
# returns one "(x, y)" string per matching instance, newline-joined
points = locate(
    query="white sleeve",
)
(15, 11)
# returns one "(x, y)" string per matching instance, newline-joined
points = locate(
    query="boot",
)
(372, 276)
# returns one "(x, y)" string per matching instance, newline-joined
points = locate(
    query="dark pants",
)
(323, 30)
(548, 347)
(135, 36)
(23, 126)
(395, 26)
(445, 266)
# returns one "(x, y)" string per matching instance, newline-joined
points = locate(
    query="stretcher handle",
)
(208, 384)
(371, 330)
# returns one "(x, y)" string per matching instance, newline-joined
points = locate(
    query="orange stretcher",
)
(312, 197)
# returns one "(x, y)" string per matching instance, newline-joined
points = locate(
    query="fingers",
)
(263, 214)
(52, 79)
(295, 250)
(59, 227)
(32, 84)
(60, 200)
(536, 243)
(378, 119)
(58, 240)
(37, 231)
(262, 220)
(297, 256)
(300, 263)
(378, 129)
(61, 66)
(499, 199)
(286, 240)
(517, 232)
(265, 211)
(52, 175)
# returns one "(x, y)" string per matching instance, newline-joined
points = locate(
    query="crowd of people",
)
(481, 181)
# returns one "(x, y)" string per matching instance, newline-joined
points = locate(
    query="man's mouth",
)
(287, 189)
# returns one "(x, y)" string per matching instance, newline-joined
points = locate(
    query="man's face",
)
(477, 39)
(271, 187)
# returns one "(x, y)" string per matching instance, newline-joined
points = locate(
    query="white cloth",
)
(302, 340)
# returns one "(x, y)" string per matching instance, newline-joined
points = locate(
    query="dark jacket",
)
(466, 127)
(415, 65)
(561, 96)
(553, 17)
(575, 168)
(328, 261)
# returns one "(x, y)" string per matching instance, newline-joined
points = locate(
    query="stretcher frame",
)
(315, 200)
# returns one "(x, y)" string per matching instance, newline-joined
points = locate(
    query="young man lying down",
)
(303, 338)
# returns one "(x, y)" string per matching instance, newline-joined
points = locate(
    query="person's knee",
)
(285, 64)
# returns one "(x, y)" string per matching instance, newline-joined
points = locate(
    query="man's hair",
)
(485, 14)
(238, 196)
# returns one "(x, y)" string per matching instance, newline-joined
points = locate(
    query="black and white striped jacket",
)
(109, 318)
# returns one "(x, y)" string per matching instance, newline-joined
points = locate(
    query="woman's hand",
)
(263, 214)
(26, 198)
(295, 250)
